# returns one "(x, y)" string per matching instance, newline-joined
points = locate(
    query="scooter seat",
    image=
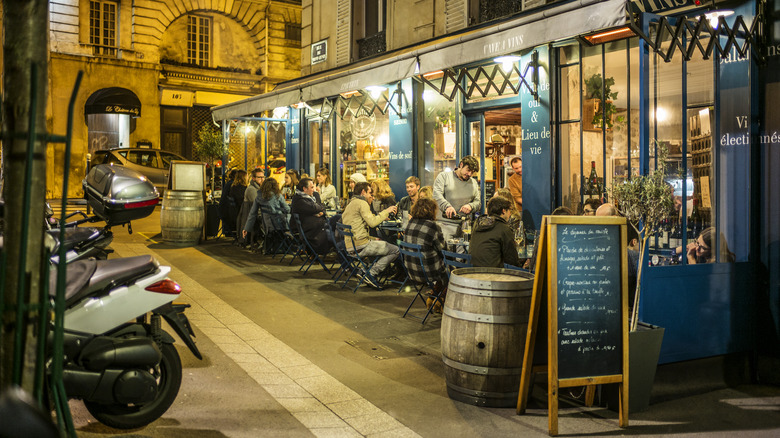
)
(74, 236)
(97, 277)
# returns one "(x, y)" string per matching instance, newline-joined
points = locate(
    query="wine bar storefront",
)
(586, 107)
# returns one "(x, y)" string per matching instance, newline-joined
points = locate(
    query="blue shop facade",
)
(575, 88)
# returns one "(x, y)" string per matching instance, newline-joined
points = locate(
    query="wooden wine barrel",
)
(182, 217)
(483, 332)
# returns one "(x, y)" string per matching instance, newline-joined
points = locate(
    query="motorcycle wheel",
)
(132, 416)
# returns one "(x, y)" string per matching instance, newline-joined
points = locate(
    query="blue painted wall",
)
(537, 152)
(402, 127)
(293, 149)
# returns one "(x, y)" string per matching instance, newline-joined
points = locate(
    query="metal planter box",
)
(119, 195)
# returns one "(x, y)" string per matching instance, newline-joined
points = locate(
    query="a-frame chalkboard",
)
(582, 272)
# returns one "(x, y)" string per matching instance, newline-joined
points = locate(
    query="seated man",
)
(493, 241)
(358, 215)
(306, 203)
(405, 204)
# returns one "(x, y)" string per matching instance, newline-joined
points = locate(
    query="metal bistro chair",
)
(293, 245)
(362, 267)
(453, 260)
(311, 253)
(412, 253)
(345, 266)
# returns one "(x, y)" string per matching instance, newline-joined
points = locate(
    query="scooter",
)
(126, 373)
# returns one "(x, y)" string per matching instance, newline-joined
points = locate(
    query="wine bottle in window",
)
(593, 182)
(694, 220)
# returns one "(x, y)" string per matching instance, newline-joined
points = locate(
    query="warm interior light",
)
(382, 140)
(349, 94)
(375, 91)
(507, 62)
(661, 115)
(280, 112)
(714, 16)
(434, 75)
(247, 128)
(610, 35)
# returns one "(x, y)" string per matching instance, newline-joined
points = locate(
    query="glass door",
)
(475, 145)
(319, 144)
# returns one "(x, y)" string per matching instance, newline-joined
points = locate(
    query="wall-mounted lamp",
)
(434, 75)
(349, 94)
(507, 62)
(375, 91)
(714, 16)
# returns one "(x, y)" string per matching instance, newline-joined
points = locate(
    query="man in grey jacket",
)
(457, 195)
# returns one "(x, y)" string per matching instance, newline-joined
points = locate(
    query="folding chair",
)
(454, 260)
(361, 266)
(341, 258)
(412, 253)
(311, 253)
(292, 245)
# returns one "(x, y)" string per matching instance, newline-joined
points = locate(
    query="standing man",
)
(515, 182)
(358, 216)
(412, 191)
(456, 194)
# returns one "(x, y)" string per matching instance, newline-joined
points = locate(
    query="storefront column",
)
(401, 162)
(293, 149)
(537, 153)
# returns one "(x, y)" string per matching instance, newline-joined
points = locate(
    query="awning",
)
(556, 23)
(114, 100)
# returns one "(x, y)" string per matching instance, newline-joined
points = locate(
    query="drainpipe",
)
(267, 42)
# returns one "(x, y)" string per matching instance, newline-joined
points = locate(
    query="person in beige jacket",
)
(358, 215)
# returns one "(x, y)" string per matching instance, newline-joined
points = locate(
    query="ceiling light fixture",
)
(609, 35)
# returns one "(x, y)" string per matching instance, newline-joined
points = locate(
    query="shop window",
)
(363, 139)
(199, 40)
(599, 121)
(103, 21)
(440, 138)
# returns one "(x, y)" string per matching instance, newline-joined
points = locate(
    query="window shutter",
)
(456, 15)
(343, 31)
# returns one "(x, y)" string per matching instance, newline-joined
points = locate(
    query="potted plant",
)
(209, 146)
(645, 201)
(593, 92)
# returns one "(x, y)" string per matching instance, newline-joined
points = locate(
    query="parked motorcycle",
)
(117, 195)
(127, 373)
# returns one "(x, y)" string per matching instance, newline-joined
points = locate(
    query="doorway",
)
(495, 136)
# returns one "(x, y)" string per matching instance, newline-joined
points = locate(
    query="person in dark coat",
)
(306, 203)
(493, 241)
(224, 205)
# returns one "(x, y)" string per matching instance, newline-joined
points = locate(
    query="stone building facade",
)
(164, 63)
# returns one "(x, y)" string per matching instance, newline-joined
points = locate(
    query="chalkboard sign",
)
(588, 295)
(490, 189)
(581, 274)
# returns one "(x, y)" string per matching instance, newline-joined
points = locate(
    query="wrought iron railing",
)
(372, 45)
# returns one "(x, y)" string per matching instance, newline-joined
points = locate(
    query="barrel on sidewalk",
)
(182, 217)
(483, 334)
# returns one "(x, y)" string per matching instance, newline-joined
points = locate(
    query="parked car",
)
(152, 163)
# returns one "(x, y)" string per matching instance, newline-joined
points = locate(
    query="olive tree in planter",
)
(209, 146)
(645, 201)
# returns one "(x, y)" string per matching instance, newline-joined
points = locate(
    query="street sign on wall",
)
(319, 52)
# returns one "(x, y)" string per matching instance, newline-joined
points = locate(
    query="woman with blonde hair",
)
(325, 187)
(425, 192)
(290, 181)
(383, 195)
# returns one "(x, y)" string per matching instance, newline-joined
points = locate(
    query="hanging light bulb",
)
(507, 62)
(714, 16)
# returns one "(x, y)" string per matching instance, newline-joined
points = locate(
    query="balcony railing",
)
(372, 45)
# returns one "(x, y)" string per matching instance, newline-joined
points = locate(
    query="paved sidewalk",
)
(288, 355)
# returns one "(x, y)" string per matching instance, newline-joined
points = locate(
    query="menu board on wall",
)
(582, 276)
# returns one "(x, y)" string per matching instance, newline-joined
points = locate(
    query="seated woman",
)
(325, 187)
(423, 230)
(274, 210)
(290, 181)
(383, 195)
(702, 250)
